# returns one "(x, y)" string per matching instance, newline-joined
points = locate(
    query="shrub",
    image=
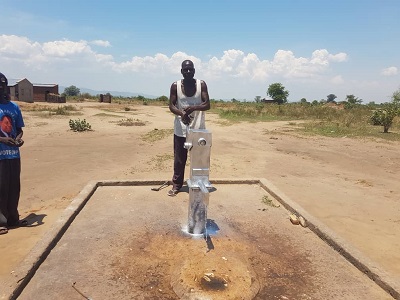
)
(63, 110)
(384, 117)
(79, 125)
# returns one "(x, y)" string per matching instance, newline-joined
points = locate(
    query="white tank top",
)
(198, 117)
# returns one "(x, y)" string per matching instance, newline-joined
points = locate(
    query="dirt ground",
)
(351, 185)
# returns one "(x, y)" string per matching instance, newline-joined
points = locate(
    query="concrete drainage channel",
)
(120, 240)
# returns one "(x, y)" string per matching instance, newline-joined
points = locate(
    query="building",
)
(21, 90)
(41, 91)
(24, 90)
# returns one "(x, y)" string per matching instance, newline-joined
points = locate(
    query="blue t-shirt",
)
(10, 120)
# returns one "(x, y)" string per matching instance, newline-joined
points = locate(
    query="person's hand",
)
(188, 110)
(19, 142)
(186, 119)
(8, 141)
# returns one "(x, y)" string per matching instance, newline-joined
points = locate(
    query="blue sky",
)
(314, 48)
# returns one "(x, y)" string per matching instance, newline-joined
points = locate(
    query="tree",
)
(72, 91)
(396, 97)
(163, 98)
(384, 116)
(257, 99)
(353, 99)
(277, 92)
(330, 98)
(315, 102)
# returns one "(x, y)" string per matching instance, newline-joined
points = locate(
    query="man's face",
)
(6, 124)
(188, 70)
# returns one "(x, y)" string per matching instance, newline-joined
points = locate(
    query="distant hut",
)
(20, 90)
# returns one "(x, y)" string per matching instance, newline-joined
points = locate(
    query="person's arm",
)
(173, 98)
(205, 101)
(9, 141)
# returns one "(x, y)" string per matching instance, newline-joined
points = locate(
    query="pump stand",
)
(198, 142)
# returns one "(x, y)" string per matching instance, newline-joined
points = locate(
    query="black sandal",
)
(20, 223)
(173, 193)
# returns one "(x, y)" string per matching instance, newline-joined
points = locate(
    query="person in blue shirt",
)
(11, 123)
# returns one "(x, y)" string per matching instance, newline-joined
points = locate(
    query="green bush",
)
(384, 117)
(79, 125)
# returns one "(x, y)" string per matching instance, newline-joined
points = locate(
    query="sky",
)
(312, 47)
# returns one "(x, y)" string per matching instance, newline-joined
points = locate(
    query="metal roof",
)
(13, 82)
(45, 84)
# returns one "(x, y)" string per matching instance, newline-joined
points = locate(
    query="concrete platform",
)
(120, 240)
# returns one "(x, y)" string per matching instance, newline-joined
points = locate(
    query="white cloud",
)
(15, 46)
(65, 48)
(238, 64)
(337, 80)
(391, 71)
(101, 43)
(234, 71)
(233, 62)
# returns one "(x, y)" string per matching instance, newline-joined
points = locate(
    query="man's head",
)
(187, 69)
(3, 85)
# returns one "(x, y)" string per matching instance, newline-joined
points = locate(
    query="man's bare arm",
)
(173, 98)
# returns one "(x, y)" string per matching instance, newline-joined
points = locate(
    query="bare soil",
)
(351, 185)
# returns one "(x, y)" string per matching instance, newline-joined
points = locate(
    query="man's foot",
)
(3, 230)
(173, 192)
(20, 223)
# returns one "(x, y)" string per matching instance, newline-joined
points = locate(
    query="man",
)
(188, 100)
(10, 163)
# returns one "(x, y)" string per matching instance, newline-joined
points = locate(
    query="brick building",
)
(41, 91)
(24, 90)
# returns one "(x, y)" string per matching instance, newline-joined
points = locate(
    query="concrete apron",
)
(120, 240)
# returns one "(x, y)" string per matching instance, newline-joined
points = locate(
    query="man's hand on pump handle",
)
(186, 118)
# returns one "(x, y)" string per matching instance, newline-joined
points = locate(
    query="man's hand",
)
(186, 119)
(19, 142)
(188, 110)
(8, 141)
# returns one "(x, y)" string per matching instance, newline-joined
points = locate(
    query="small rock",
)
(302, 221)
(294, 219)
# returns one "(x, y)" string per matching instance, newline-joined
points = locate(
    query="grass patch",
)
(160, 160)
(65, 110)
(116, 107)
(157, 134)
(319, 119)
(267, 201)
(107, 115)
(130, 122)
(336, 129)
(48, 111)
